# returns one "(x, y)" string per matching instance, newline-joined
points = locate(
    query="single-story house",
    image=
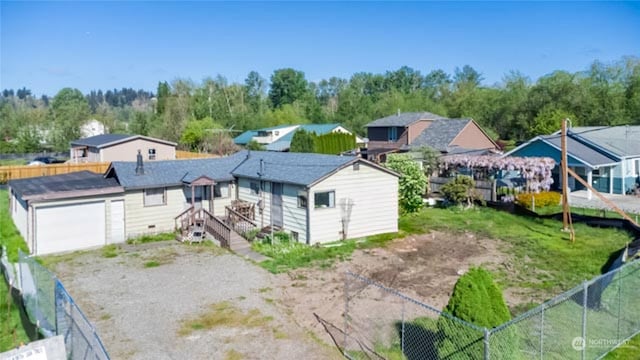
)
(608, 158)
(120, 147)
(279, 138)
(315, 198)
(68, 212)
(405, 131)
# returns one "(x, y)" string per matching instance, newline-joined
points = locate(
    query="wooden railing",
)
(25, 171)
(239, 223)
(211, 224)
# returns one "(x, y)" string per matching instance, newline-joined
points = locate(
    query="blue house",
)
(608, 157)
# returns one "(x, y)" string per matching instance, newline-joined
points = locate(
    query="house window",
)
(302, 200)
(152, 154)
(325, 199)
(221, 190)
(295, 236)
(356, 166)
(255, 188)
(155, 197)
(392, 133)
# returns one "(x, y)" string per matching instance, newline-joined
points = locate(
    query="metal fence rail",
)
(586, 322)
(54, 312)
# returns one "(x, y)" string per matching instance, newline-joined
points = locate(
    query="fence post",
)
(541, 331)
(346, 311)
(402, 334)
(585, 289)
(486, 344)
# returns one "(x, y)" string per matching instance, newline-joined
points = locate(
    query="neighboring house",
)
(404, 131)
(315, 198)
(91, 128)
(67, 212)
(608, 158)
(279, 138)
(121, 147)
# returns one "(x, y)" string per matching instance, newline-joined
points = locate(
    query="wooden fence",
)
(180, 154)
(23, 171)
(486, 188)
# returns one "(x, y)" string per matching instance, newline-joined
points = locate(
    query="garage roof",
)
(74, 184)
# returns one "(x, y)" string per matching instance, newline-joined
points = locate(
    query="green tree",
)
(254, 145)
(287, 86)
(478, 300)
(69, 109)
(303, 142)
(461, 191)
(163, 94)
(197, 135)
(549, 120)
(412, 184)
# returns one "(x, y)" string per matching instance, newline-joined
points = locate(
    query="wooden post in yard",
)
(565, 180)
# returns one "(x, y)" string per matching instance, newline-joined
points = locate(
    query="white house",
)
(315, 198)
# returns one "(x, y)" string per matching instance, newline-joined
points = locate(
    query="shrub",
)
(412, 184)
(462, 190)
(541, 199)
(478, 300)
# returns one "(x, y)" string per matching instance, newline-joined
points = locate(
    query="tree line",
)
(195, 114)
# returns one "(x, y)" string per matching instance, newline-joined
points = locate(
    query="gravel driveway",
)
(151, 301)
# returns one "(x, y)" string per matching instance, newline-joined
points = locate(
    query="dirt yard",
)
(157, 311)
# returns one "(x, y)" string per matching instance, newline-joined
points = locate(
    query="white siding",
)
(152, 219)
(244, 193)
(19, 214)
(294, 218)
(374, 195)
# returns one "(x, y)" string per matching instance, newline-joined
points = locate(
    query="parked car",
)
(43, 160)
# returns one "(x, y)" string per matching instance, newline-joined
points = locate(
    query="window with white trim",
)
(325, 199)
(255, 188)
(221, 190)
(152, 154)
(155, 197)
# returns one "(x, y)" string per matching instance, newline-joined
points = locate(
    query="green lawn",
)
(12, 333)
(545, 259)
(9, 235)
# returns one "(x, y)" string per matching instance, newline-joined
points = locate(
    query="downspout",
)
(31, 229)
(308, 218)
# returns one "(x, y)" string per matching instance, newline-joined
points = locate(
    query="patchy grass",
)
(223, 314)
(152, 263)
(233, 355)
(110, 251)
(50, 261)
(628, 350)
(264, 290)
(152, 238)
(9, 235)
(545, 259)
(12, 333)
(288, 255)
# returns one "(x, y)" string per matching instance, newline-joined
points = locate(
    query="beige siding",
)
(128, 151)
(139, 218)
(219, 204)
(374, 195)
(472, 137)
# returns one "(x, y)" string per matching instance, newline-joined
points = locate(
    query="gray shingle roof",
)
(292, 168)
(76, 181)
(440, 134)
(404, 119)
(106, 140)
(174, 172)
(619, 140)
(99, 140)
(581, 151)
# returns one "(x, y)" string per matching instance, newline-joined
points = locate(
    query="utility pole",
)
(565, 179)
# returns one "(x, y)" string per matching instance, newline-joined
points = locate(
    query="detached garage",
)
(67, 212)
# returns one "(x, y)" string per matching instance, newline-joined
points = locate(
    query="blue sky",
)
(46, 46)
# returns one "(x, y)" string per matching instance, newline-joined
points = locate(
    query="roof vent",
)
(139, 164)
(398, 111)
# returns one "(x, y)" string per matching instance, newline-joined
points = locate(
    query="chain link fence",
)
(52, 310)
(586, 322)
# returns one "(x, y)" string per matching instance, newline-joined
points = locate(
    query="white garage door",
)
(69, 227)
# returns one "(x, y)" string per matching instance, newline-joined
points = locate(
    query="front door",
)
(276, 204)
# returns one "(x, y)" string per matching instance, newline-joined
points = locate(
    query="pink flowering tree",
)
(536, 171)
